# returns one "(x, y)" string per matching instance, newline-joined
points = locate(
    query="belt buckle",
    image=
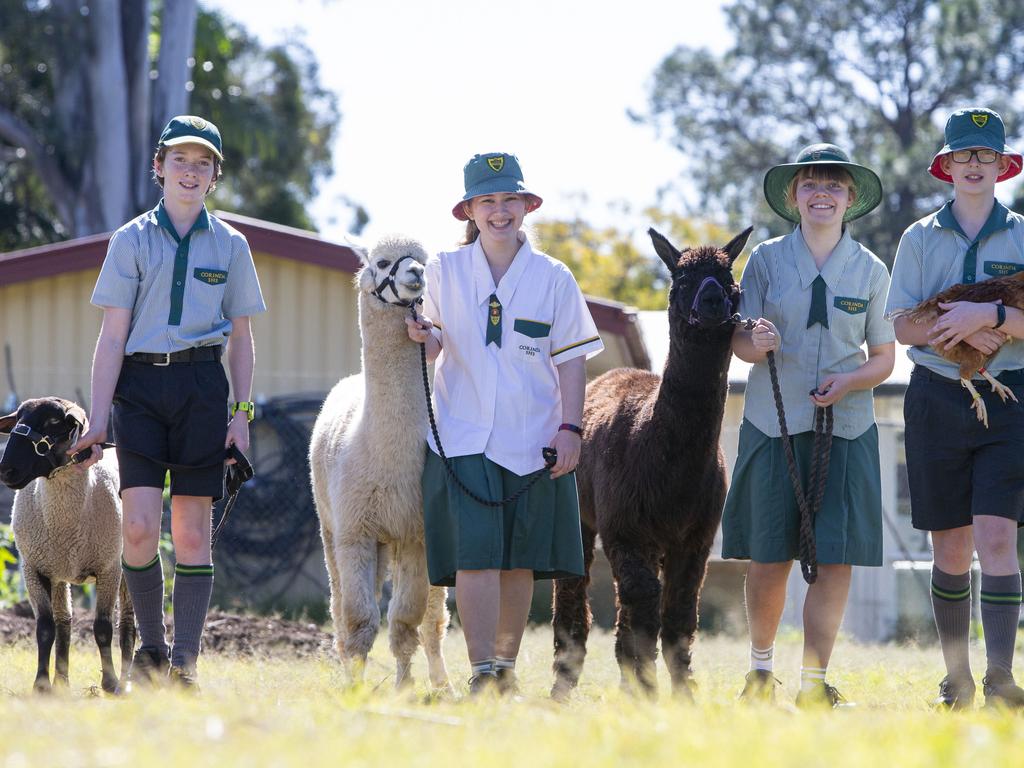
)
(166, 362)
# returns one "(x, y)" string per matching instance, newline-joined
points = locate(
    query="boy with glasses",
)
(966, 479)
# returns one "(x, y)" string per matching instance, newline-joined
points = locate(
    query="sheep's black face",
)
(41, 432)
(704, 295)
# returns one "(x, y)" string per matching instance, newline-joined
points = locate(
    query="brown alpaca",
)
(652, 480)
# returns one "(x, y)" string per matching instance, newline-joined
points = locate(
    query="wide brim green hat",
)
(865, 181)
(492, 173)
(975, 128)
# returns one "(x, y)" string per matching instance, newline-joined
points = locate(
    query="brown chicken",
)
(1010, 291)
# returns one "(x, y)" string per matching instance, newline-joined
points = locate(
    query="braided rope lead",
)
(448, 462)
(821, 455)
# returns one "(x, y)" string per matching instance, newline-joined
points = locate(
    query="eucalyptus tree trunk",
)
(107, 108)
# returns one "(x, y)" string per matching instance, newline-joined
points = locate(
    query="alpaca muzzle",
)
(712, 304)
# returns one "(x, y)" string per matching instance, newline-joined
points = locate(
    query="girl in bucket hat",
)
(966, 479)
(510, 332)
(819, 297)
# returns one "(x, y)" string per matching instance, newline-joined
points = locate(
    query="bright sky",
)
(425, 84)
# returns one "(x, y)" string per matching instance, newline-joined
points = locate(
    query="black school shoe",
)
(822, 696)
(955, 695)
(508, 683)
(759, 687)
(1001, 690)
(484, 684)
(183, 679)
(149, 667)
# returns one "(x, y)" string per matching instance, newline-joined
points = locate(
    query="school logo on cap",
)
(496, 163)
(198, 123)
(979, 119)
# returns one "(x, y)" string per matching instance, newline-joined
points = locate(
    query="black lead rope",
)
(550, 455)
(820, 457)
(237, 474)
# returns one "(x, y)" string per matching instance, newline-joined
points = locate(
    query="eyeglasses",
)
(985, 156)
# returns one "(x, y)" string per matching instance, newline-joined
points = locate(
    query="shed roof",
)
(285, 242)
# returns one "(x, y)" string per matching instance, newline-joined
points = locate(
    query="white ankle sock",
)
(501, 662)
(811, 678)
(482, 667)
(762, 658)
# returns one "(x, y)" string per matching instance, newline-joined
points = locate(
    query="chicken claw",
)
(998, 387)
(978, 405)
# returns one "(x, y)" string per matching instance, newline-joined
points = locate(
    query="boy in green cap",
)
(177, 284)
(966, 480)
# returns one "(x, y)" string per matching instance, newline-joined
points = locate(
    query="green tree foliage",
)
(608, 263)
(877, 77)
(277, 121)
(86, 87)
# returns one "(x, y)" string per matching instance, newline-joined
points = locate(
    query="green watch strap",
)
(248, 407)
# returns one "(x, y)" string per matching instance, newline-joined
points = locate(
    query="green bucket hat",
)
(189, 129)
(865, 181)
(975, 128)
(491, 173)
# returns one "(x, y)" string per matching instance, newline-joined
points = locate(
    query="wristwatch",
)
(249, 408)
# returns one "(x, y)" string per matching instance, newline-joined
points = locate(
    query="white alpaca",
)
(366, 457)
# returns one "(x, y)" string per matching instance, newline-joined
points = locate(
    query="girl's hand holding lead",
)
(419, 329)
(765, 336)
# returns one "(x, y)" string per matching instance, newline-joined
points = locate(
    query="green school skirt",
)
(761, 520)
(539, 531)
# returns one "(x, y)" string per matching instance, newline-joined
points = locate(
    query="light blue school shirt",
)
(183, 291)
(934, 254)
(776, 285)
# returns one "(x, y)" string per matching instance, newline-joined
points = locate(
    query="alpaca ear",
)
(735, 246)
(7, 423)
(665, 250)
(359, 247)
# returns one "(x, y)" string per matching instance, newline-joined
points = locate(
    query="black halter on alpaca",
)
(389, 282)
(820, 457)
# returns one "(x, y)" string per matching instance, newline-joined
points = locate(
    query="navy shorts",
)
(956, 467)
(175, 414)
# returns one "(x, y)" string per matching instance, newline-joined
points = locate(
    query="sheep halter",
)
(44, 445)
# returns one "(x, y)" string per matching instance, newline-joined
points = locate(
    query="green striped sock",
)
(951, 605)
(193, 585)
(1000, 615)
(146, 586)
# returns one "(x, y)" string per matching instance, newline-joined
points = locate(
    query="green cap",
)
(865, 181)
(975, 128)
(189, 129)
(491, 173)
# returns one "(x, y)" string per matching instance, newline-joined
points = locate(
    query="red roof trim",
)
(54, 259)
(263, 236)
(277, 240)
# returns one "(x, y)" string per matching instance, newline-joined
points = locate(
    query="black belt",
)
(1011, 378)
(193, 355)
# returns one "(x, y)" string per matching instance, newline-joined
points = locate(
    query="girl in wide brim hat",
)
(824, 294)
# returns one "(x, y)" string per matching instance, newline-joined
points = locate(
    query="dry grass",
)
(297, 713)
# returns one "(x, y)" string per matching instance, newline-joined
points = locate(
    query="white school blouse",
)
(503, 402)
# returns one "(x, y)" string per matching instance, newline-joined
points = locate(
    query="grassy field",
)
(297, 713)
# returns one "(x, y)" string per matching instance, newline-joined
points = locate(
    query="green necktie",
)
(493, 320)
(819, 309)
